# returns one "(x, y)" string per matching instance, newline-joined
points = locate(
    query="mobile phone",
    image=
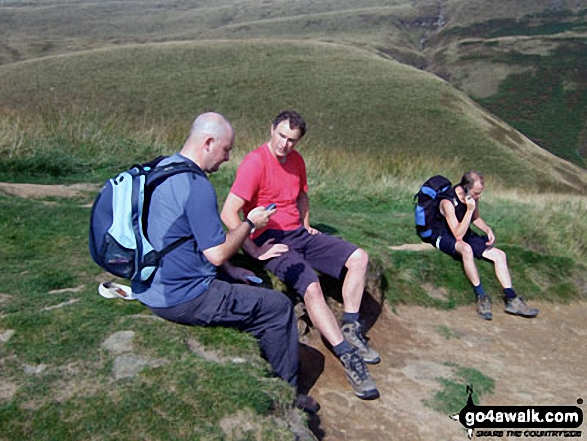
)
(466, 191)
(270, 206)
(254, 279)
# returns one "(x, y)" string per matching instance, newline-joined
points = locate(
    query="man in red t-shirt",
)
(275, 173)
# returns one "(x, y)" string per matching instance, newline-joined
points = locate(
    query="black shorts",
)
(307, 252)
(446, 242)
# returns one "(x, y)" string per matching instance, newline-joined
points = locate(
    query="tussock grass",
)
(351, 99)
(74, 143)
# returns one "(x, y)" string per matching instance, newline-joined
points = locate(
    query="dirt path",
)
(35, 191)
(533, 362)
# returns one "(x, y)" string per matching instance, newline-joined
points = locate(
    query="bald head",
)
(210, 141)
(211, 124)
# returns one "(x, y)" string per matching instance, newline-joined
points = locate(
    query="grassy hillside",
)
(529, 71)
(376, 130)
(354, 101)
(510, 38)
(39, 27)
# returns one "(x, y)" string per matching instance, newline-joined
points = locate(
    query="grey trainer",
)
(484, 307)
(517, 306)
(353, 332)
(358, 375)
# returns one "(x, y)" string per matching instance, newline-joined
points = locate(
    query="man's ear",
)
(208, 143)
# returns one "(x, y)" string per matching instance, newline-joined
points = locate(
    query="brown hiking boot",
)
(353, 332)
(358, 375)
(517, 306)
(484, 307)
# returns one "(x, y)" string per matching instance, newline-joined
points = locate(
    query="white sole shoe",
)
(111, 290)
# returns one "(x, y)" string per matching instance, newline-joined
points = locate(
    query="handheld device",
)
(254, 279)
(270, 206)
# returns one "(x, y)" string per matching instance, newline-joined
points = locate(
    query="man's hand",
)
(313, 230)
(237, 273)
(269, 250)
(260, 216)
(471, 204)
(490, 236)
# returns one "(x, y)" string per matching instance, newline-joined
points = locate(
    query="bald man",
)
(453, 235)
(187, 288)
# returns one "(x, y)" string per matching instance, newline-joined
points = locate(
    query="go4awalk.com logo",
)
(520, 421)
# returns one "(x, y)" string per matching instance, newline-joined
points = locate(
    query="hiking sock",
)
(349, 317)
(509, 293)
(342, 348)
(479, 291)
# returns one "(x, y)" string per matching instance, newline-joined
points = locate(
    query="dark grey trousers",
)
(264, 313)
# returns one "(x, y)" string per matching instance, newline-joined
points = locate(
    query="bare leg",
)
(321, 315)
(354, 282)
(499, 259)
(464, 249)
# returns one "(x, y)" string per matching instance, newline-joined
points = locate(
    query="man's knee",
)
(465, 250)
(496, 255)
(359, 260)
(313, 293)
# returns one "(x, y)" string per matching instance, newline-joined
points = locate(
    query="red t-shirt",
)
(261, 179)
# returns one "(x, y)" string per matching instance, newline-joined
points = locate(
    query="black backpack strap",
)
(153, 258)
(157, 175)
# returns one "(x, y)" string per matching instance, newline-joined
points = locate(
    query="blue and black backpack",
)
(118, 239)
(427, 202)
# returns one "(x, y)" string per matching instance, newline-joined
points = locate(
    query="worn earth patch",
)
(38, 191)
(537, 361)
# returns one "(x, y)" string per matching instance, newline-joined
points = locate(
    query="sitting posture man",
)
(185, 289)
(460, 207)
(292, 249)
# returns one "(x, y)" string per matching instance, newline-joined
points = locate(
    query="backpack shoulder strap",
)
(155, 177)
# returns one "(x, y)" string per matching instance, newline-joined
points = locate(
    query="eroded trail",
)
(533, 362)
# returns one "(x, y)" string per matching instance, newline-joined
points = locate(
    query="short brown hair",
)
(295, 120)
(469, 178)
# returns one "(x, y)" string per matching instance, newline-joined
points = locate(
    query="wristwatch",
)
(250, 222)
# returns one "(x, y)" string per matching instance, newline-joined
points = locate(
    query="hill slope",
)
(522, 60)
(353, 100)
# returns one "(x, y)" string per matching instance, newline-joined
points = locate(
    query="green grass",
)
(453, 394)
(75, 394)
